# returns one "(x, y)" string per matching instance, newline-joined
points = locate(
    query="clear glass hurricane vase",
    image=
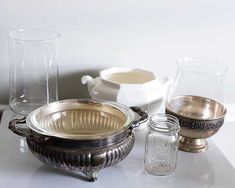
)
(196, 99)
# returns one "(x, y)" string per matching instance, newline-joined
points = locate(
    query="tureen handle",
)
(143, 115)
(89, 81)
(17, 129)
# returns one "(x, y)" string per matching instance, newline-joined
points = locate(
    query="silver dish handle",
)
(24, 130)
(141, 113)
(19, 130)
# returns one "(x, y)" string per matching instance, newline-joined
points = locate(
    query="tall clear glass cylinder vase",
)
(33, 69)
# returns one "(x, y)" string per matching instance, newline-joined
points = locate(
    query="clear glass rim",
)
(210, 65)
(53, 34)
(171, 123)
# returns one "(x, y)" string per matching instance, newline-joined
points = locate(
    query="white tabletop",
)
(19, 168)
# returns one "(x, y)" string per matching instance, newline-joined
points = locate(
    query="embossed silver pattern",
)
(74, 159)
(198, 124)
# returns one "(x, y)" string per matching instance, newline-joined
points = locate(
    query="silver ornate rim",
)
(33, 124)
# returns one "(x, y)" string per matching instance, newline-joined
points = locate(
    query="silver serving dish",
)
(199, 118)
(80, 135)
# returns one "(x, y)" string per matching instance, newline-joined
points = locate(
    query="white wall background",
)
(150, 34)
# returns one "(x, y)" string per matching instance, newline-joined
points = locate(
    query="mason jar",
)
(161, 146)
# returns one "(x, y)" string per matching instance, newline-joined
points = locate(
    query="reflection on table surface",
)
(209, 169)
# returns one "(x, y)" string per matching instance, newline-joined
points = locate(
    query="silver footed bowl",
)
(199, 117)
(80, 135)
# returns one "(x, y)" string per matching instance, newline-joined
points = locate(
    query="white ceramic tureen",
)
(132, 87)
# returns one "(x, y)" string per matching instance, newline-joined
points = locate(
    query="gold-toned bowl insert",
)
(199, 118)
(195, 107)
(80, 119)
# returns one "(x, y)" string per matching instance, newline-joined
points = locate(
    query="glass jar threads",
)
(161, 145)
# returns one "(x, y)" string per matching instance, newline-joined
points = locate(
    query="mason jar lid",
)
(164, 123)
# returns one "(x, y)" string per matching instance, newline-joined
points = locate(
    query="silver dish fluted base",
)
(80, 159)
